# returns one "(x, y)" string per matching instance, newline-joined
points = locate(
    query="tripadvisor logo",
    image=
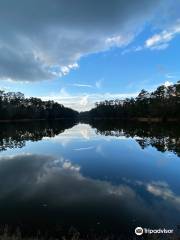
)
(139, 231)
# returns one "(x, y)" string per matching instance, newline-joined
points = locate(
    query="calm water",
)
(106, 176)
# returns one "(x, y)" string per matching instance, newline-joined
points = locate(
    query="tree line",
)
(16, 135)
(14, 106)
(163, 103)
(164, 137)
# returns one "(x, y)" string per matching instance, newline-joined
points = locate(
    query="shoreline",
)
(33, 120)
(141, 119)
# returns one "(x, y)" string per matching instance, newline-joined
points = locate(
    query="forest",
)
(14, 106)
(161, 104)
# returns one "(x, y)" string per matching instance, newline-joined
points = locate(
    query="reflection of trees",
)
(15, 135)
(162, 144)
(164, 137)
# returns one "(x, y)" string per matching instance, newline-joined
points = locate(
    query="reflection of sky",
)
(57, 183)
(80, 166)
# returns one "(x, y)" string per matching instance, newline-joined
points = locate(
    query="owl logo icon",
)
(139, 231)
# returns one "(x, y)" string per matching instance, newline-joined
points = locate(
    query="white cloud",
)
(99, 83)
(63, 93)
(4, 88)
(84, 148)
(160, 47)
(45, 39)
(66, 69)
(82, 85)
(118, 41)
(169, 75)
(167, 84)
(172, 75)
(132, 49)
(161, 41)
(84, 101)
(162, 189)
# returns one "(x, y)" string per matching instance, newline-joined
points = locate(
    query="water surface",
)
(103, 177)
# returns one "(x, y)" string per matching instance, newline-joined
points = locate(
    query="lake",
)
(102, 177)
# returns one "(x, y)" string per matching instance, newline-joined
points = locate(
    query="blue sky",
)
(99, 50)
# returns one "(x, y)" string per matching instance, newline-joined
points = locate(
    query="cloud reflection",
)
(58, 183)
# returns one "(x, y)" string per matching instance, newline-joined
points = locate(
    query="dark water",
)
(108, 176)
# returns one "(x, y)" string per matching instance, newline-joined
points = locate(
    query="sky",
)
(84, 51)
